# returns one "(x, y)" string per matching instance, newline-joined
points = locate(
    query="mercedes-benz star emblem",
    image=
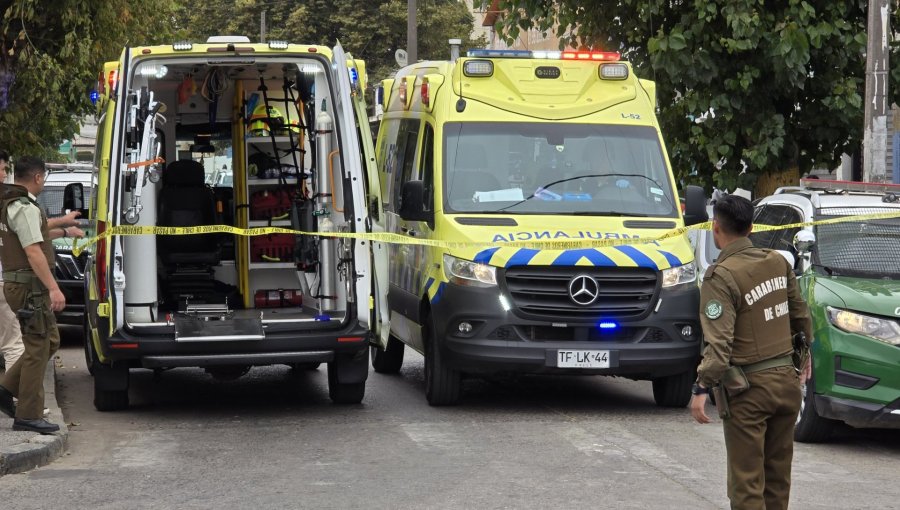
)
(583, 290)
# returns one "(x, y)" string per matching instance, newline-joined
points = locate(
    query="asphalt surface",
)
(273, 439)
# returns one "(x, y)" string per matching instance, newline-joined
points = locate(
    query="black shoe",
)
(7, 406)
(41, 426)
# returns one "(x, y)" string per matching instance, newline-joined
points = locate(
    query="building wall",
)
(530, 40)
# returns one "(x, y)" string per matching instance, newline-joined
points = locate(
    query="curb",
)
(38, 450)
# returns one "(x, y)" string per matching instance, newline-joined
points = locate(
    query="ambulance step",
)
(210, 329)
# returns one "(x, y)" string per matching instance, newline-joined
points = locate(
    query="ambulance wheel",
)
(443, 385)
(90, 357)
(674, 390)
(356, 370)
(389, 360)
(810, 427)
(110, 387)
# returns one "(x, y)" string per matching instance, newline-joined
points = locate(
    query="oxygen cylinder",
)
(140, 265)
(327, 270)
(324, 206)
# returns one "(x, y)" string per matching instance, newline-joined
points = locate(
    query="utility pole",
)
(411, 35)
(875, 135)
(262, 26)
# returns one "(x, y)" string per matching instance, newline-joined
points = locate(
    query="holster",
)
(734, 381)
(801, 350)
(721, 398)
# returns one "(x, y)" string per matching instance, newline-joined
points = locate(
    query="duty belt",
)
(759, 366)
(26, 278)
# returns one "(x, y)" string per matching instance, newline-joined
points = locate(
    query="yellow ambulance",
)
(285, 126)
(500, 147)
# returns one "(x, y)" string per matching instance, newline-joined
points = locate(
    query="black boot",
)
(40, 426)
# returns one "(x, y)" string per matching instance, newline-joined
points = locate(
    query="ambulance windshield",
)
(555, 168)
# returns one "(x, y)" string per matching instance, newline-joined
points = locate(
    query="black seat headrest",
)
(184, 172)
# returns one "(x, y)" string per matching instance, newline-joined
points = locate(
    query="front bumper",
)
(859, 414)
(502, 341)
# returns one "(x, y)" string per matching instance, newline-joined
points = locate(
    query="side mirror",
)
(789, 257)
(694, 206)
(412, 202)
(804, 242)
(73, 198)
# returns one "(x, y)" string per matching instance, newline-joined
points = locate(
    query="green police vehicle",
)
(849, 273)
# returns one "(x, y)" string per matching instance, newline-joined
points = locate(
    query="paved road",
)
(273, 439)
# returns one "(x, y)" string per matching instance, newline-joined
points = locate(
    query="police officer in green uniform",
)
(31, 291)
(750, 307)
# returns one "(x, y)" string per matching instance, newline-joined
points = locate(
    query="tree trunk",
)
(768, 182)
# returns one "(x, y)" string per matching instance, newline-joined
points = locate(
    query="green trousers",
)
(40, 336)
(759, 437)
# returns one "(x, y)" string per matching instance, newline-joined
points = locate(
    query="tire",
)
(443, 385)
(810, 427)
(674, 390)
(90, 357)
(110, 400)
(110, 387)
(389, 360)
(344, 393)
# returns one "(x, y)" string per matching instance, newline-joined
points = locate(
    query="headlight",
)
(465, 272)
(888, 331)
(678, 275)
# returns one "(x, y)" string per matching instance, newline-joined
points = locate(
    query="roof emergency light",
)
(113, 80)
(183, 46)
(478, 68)
(613, 71)
(549, 55)
(278, 45)
(426, 98)
(605, 56)
(499, 53)
(871, 187)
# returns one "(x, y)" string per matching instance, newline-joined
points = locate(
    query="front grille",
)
(577, 334)
(542, 292)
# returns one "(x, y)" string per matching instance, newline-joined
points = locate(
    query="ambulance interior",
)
(243, 144)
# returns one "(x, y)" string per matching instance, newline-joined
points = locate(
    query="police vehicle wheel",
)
(674, 390)
(389, 360)
(442, 384)
(810, 427)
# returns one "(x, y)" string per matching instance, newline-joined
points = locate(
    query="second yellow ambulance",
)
(505, 146)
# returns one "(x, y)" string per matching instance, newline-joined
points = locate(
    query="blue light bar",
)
(95, 96)
(499, 53)
(608, 325)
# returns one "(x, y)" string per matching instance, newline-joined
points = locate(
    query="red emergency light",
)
(602, 56)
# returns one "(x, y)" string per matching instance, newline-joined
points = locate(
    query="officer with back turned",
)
(750, 307)
(31, 292)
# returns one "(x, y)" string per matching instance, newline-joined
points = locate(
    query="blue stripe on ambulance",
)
(673, 260)
(522, 257)
(484, 256)
(439, 293)
(428, 284)
(571, 258)
(639, 258)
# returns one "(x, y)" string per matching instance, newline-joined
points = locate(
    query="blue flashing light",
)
(607, 325)
(354, 75)
(500, 53)
(95, 96)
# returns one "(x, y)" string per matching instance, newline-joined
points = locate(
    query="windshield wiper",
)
(607, 213)
(577, 177)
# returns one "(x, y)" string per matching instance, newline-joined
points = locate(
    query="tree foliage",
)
(50, 54)
(751, 85)
(371, 30)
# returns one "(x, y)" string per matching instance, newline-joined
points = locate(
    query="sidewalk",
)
(23, 451)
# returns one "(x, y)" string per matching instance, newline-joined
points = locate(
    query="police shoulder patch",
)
(713, 309)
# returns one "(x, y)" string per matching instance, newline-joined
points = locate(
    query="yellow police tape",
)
(390, 238)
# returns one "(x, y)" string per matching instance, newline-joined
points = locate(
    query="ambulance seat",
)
(186, 201)
(471, 174)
